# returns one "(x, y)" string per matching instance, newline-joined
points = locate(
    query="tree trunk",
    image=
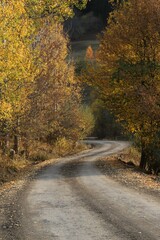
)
(26, 147)
(16, 135)
(16, 144)
(144, 159)
(5, 144)
(148, 159)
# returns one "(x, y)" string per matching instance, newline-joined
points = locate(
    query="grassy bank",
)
(39, 153)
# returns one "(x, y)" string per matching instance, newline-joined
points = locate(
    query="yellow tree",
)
(57, 9)
(128, 74)
(16, 63)
(52, 80)
(55, 103)
(89, 53)
(21, 24)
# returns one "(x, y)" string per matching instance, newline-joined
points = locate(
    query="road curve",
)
(73, 200)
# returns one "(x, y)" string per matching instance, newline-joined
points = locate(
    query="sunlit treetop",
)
(16, 60)
(59, 9)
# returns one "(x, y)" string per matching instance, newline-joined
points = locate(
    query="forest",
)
(44, 110)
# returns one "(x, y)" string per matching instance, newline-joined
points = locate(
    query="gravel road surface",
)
(73, 200)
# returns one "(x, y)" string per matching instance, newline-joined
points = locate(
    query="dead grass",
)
(63, 147)
(38, 153)
(10, 168)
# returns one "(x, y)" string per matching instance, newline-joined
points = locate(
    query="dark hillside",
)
(88, 23)
(100, 8)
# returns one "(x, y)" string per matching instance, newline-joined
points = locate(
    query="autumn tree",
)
(56, 102)
(16, 65)
(52, 82)
(35, 77)
(51, 116)
(89, 53)
(57, 9)
(127, 73)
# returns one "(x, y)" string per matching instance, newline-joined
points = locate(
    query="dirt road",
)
(73, 200)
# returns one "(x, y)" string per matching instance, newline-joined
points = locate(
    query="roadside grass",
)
(64, 147)
(10, 169)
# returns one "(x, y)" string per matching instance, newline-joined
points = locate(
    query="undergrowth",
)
(37, 152)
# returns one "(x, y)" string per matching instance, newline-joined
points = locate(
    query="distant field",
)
(78, 48)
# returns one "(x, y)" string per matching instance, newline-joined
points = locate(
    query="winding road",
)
(73, 200)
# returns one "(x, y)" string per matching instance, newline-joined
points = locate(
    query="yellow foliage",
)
(37, 84)
(127, 70)
(89, 53)
(16, 56)
(58, 9)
